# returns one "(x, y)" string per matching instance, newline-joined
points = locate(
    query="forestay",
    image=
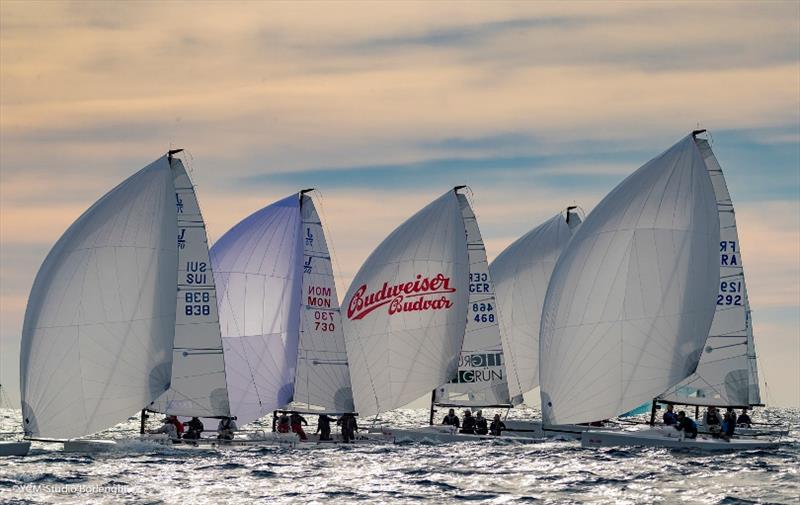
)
(407, 310)
(322, 382)
(521, 274)
(480, 379)
(198, 370)
(257, 266)
(98, 332)
(631, 300)
(727, 373)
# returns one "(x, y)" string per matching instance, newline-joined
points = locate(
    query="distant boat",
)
(279, 313)
(521, 274)
(11, 447)
(406, 309)
(99, 329)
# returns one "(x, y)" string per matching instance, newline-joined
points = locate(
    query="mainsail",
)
(257, 266)
(198, 369)
(521, 274)
(322, 381)
(727, 373)
(631, 300)
(407, 310)
(480, 379)
(99, 327)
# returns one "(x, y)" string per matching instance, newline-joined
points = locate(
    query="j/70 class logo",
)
(403, 297)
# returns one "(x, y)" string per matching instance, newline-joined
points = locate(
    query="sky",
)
(384, 106)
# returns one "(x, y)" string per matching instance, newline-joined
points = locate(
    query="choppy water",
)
(549, 472)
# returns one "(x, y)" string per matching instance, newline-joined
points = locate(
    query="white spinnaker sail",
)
(521, 274)
(406, 310)
(257, 266)
(198, 369)
(631, 298)
(727, 373)
(322, 381)
(98, 331)
(481, 378)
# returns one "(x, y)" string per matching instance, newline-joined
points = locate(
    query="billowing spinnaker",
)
(631, 299)
(727, 373)
(481, 378)
(198, 369)
(257, 266)
(98, 331)
(521, 274)
(323, 379)
(406, 310)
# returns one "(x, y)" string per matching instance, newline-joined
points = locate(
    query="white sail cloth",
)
(257, 266)
(406, 310)
(322, 382)
(631, 299)
(198, 369)
(727, 374)
(100, 322)
(481, 378)
(521, 274)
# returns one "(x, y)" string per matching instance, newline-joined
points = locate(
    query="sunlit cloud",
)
(384, 106)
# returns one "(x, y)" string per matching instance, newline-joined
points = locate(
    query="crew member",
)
(497, 426)
(687, 425)
(349, 427)
(283, 423)
(669, 417)
(324, 427)
(744, 419)
(481, 427)
(452, 419)
(468, 427)
(194, 429)
(225, 428)
(297, 421)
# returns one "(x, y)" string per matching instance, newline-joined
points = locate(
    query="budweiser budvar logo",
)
(397, 297)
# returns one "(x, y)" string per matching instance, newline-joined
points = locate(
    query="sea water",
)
(491, 471)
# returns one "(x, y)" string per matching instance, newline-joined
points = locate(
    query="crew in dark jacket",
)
(468, 426)
(497, 426)
(687, 425)
(452, 419)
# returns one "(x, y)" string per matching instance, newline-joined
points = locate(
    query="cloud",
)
(384, 106)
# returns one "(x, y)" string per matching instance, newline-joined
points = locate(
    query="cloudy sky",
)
(384, 106)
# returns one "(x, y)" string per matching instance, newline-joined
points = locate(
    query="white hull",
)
(444, 435)
(14, 448)
(257, 439)
(535, 429)
(668, 438)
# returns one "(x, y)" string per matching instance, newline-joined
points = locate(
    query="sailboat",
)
(481, 377)
(521, 273)
(727, 375)
(281, 325)
(497, 357)
(406, 310)
(631, 300)
(100, 325)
